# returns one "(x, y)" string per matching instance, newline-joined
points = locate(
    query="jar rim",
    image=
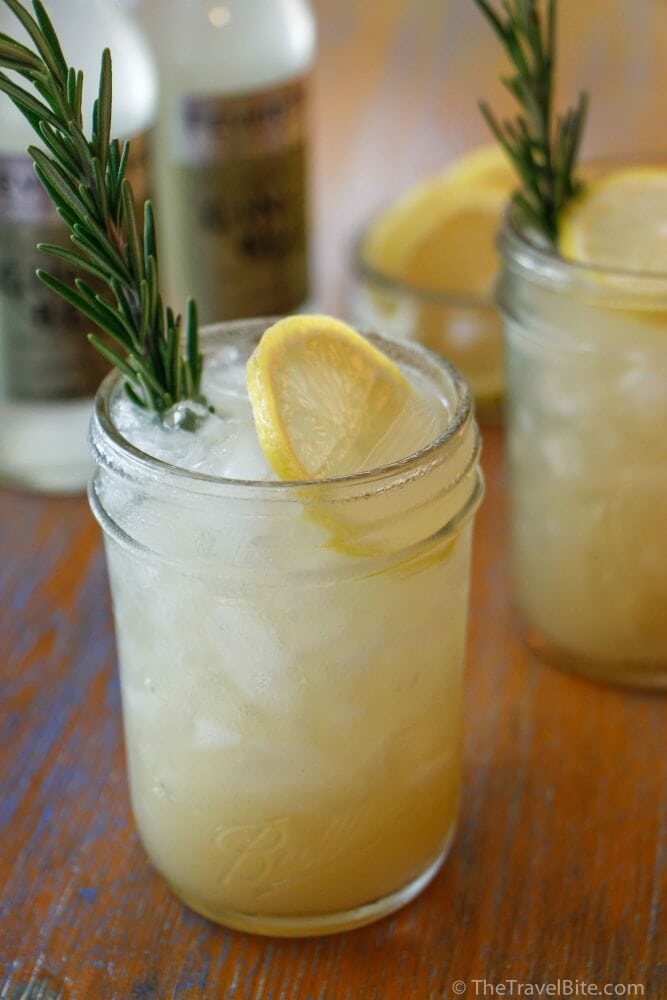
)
(531, 254)
(364, 271)
(112, 450)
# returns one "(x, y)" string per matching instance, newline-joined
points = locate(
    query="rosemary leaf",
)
(114, 324)
(50, 37)
(153, 289)
(191, 342)
(104, 110)
(58, 146)
(57, 185)
(124, 308)
(73, 259)
(98, 251)
(69, 294)
(36, 32)
(25, 59)
(142, 369)
(100, 187)
(113, 358)
(150, 244)
(132, 395)
(26, 102)
(134, 247)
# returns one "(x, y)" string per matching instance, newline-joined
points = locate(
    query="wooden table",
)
(559, 870)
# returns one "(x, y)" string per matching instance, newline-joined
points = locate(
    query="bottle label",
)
(240, 193)
(44, 353)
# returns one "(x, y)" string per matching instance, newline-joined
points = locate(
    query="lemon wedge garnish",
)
(440, 237)
(327, 403)
(619, 222)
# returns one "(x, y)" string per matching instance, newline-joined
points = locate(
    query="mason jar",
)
(586, 369)
(463, 327)
(291, 661)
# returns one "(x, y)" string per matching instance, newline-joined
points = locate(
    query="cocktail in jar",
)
(587, 388)
(291, 651)
(583, 293)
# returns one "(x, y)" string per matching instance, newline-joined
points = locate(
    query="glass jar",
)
(291, 661)
(586, 368)
(463, 327)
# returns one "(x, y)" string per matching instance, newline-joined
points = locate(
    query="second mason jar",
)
(586, 373)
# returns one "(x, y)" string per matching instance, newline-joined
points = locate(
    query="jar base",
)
(640, 676)
(318, 925)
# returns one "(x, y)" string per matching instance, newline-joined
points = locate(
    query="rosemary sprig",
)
(542, 146)
(86, 181)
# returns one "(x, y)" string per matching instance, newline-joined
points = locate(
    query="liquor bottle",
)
(48, 373)
(231, 151)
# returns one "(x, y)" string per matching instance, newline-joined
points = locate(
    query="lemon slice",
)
(619, 222)
(327, 403)
(441, 236)
(487, 166)
(458, 252)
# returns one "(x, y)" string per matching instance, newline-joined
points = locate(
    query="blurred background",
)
(396, 90)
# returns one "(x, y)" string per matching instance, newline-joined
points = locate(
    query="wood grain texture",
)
(559, 869)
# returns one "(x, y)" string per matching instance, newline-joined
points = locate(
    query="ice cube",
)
(225, 381)
(186, 415)
(253, 659)
(172, 444)
(190, 437)
(230, 450)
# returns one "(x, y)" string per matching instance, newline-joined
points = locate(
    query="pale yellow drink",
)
(587, 386)
(291, 655)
